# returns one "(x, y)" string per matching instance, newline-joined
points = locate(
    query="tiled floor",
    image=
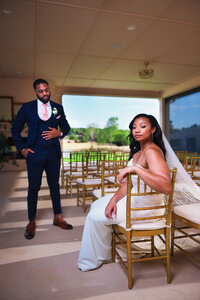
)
(46, 266)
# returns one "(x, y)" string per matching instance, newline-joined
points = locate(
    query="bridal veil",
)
(186, 190)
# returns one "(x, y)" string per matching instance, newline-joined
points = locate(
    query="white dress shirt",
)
(40, 109)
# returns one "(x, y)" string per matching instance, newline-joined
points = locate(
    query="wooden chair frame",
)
(110, 169)
(75, 171)
(125, 236)
(83, 185)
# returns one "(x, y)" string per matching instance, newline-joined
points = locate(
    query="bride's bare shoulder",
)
(153, 150)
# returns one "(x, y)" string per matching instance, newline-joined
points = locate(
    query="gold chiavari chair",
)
(109, 172)
(64, 166)
(189, 163)
(196, 170)
(75, 171)
(181, 155)
(158, 223)
(87, 183)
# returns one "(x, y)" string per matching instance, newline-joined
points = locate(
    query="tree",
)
(73, 137)
(93, 130)
(120, 138)
(85, 136)
(112, 123)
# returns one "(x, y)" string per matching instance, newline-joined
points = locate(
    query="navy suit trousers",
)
(48, 160)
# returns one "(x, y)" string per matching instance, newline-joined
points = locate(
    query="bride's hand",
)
(123, 173)
(111, 210)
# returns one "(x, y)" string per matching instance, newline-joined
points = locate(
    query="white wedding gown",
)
(97, 234)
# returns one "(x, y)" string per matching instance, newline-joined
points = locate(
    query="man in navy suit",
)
(42, 151)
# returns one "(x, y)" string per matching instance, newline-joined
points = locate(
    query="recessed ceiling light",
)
(19, 72)
(116, 45)
(7, 11)
(131, 27)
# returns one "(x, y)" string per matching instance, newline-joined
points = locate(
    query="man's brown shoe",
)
(30, 230)
(62, 223)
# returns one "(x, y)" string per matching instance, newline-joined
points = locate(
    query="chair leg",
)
(66, 187)
(84, 208)
(152, 245)
(129, 258)
(70, 187)
(113, 246)
(62, 178)
(172, 234)
(77, 194)
(168, 255)
(63, 183)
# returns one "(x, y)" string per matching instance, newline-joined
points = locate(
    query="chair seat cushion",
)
(92, 168)
(89, 181)
(111, 179)
(196, 174)
(74, 174)
(97, 193)
(139, 225)
(190, 212)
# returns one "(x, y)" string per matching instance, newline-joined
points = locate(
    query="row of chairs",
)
(87, 174)
(93, 184)
(72, 161)
(192, 166)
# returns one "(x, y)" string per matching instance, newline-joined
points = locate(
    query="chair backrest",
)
(111, 168)
(75, 159)
(64, 158)
(192, 164)
(195, 172)
(181, 155)
(161, 210)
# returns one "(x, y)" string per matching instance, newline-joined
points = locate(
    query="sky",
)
(82, 111)
(185, 111)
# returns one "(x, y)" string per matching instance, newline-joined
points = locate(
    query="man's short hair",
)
(39, 81)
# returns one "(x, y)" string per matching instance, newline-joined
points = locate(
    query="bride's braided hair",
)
(157, 135)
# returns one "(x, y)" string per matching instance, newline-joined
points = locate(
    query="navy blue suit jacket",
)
(28, 114)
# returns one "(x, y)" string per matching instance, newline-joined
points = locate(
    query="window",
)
(183, 121)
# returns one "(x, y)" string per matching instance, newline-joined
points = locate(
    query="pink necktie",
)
(45, 112)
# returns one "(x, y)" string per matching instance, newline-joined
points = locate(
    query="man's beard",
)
(44, 99)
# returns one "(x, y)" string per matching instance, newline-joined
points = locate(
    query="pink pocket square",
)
(58, 117)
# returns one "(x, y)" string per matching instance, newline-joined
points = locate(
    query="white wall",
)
(21, 89)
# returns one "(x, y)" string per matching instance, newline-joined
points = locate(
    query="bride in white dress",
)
(147, 160)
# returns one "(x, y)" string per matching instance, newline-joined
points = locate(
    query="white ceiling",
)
(85, 43)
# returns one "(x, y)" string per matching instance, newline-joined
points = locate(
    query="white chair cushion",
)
(74, 174)
(139, 225)
(111, 179)
(196, 174)
(97, 193)
(92, 168)
(89, 181)
(190, 212)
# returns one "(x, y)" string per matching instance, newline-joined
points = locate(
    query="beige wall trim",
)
(106, 92)
(182, 87)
